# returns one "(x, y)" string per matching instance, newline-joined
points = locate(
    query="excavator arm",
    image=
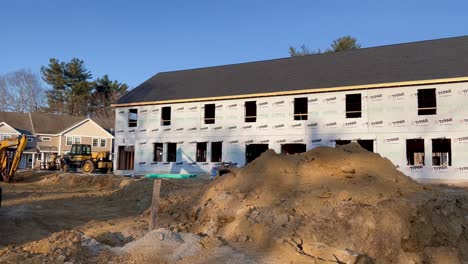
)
(11, 150)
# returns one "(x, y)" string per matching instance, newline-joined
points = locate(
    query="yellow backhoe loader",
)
(82, 157)
(10, 157)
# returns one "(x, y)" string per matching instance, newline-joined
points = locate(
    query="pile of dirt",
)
(61, 247)
(346, 198)
(164, 246)
(328, 205)
(75, 179)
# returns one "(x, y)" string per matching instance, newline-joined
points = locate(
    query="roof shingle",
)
(423, 60)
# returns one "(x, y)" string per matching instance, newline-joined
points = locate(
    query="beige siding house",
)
(54, 134)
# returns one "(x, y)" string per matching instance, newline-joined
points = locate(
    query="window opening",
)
(353, 106)
(251, 111)
(300, 108)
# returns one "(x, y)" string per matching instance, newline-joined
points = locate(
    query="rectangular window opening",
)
(251, 111)
(415, 151)
(166, 116)
(427, 102)
(132, 117)
(103, 142)
(46, 138)
(158, 152)
(353, 106)
(300, 108)
(69, 141)
(201, 152)
(441, 152)
(95, 142)
(76, 140)
(210, 110)
(216, 151)
(171, 152)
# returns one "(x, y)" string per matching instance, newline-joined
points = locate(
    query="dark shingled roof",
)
(423, 60)
(43, 123)
(19, 121)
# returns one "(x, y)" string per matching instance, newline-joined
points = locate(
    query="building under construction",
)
(407, 102)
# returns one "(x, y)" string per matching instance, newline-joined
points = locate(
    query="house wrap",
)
(407, 102)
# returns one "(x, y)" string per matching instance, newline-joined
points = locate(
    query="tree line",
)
(339, 44)
(73, 91)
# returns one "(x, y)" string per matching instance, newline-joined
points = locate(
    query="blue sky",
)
(133, 40)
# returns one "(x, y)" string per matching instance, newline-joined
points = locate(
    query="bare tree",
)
(3, 94)
(21, 91)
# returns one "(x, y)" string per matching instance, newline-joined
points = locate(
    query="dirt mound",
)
(99, 181)
(328, 205)
(347, 198)
(60, 247)
(350, 173)
(164, 246)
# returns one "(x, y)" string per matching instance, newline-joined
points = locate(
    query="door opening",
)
(126, 157)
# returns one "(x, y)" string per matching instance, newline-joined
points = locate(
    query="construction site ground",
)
(317, 207)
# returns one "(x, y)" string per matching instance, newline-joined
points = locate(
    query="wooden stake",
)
(155, 204)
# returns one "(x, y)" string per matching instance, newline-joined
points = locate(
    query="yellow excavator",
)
(10, 156)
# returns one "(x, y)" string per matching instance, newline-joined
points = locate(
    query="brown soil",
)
(325, 206)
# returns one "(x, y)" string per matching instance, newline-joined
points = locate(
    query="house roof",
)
(31, 150)
(52, 123)
(47, 148)
(42, 123)
(19, 121)
(423, 60)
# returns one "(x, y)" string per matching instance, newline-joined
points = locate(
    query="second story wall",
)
(46, 142)
(87, 133)
(384, 110)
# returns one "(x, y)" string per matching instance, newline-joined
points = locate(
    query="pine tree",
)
(344, 43)
(70, 86)
(105, 91)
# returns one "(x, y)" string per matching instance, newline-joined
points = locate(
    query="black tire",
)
(87, 166)
(104, 170)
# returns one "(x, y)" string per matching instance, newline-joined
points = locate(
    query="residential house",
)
(54, 134)
(407, 102)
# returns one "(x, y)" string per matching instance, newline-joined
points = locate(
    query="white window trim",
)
(46, 139)
(74, 140)
(92, 142)
(66, 141)
(105, 142)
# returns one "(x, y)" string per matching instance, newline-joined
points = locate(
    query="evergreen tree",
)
(339, 44)
(105, 91)
(344, 43)
(71, 88)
